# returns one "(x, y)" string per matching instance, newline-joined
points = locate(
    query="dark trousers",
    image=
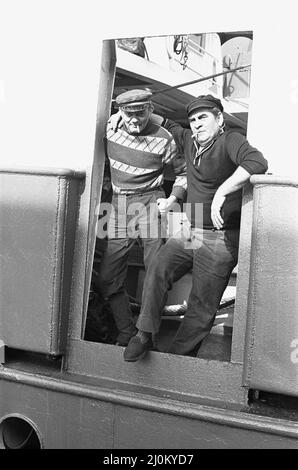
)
(212, 255)
(125, 225)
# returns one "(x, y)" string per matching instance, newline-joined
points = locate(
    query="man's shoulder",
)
(155, 130)
(120, 135)
(235, 132)
(109, 130)
(234, 137)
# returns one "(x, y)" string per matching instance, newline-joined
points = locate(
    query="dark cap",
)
(134, 99)
(204, 101)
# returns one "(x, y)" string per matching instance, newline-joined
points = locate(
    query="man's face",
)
(205, 125)
(136, 121)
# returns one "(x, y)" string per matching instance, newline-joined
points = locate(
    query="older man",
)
(219, 163)
(138, 154)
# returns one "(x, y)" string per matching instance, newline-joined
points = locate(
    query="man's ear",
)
(151, 108)
(220, 119)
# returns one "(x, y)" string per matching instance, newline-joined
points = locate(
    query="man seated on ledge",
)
(219, 163)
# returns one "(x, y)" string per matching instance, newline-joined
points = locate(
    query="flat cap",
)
(204, 101)
(133, 98)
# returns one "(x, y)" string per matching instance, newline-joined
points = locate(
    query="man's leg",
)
(110, 281)
(170, 264)
(149, 226)
(213, 263)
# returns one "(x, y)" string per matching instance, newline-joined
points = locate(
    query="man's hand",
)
(165, 204)
(216, 206)
(116, 121)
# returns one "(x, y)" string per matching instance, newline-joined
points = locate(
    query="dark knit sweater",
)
(208, 170)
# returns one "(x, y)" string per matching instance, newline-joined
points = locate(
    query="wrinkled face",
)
(136, 121)
(205, 125)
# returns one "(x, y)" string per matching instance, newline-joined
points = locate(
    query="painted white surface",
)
(50, 55)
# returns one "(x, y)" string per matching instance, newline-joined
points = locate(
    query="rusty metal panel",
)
(143, 429)
(272, 331)
(240, 312)
(38, 214)
(76, 415)
(63, 420)
(213, 380)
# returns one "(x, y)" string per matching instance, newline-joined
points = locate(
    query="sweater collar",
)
(200, 149)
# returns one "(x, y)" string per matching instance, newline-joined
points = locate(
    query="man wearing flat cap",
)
(138, 154)
(219, 163)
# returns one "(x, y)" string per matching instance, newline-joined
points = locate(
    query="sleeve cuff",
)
(254, 168)
(178, 192)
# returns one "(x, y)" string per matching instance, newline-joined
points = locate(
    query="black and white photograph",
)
(148, 228)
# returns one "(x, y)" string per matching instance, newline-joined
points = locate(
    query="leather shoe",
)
(123, 339)
(136, 350)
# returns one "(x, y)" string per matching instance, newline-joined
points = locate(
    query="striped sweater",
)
(138, 162)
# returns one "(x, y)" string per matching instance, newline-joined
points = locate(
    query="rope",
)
(177, 310)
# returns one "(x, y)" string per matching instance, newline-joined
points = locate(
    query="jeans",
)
(212, 255)
(126, 224)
